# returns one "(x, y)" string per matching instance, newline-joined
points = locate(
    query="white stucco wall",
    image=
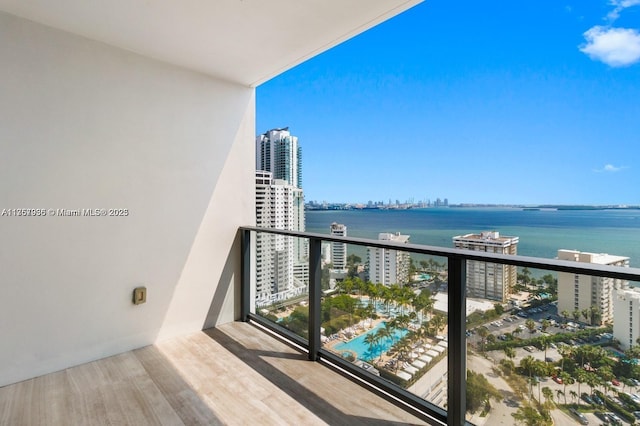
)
(84, 125)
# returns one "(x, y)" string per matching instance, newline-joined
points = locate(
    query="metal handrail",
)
(617, 272)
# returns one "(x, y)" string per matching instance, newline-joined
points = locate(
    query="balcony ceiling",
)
(242, 41)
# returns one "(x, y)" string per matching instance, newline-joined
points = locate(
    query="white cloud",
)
(616, 47)
(610, 168)
(619, 6)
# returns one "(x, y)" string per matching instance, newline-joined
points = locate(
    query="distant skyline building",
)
(388, 266)
(338, 250)
(282, 269)
(486, 280)
(582, 292)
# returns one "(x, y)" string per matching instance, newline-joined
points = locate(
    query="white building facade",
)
(584, 292)
(281, 271)
(486, 280)
(626, 323)
(338, 250)
(388, 266)
(281, 261)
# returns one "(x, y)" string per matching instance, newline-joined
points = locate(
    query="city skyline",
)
(510, 104)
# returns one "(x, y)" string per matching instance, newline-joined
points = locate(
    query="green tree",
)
(530, 324)
(372, 340)
(595, 315)
(576, 314)
(353, 261)
(586, 314)
(566, 380)
(510, 352)
(483, 332)
(527, 364)
(479, 391)
(525, 276)
(545, 324)
(529, 416)
(548, 397)
(498, 308)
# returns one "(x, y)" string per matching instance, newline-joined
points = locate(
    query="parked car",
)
(581, 418)
(615, 382)
(602, 416)
(586, 398)
(614, 419)
(557, 379)
(597, 400)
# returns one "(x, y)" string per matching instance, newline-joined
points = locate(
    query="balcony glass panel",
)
(537, 355)
(282, 281)
(561, 341)
(386, 320)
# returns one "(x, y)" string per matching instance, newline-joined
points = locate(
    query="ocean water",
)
(541, 232)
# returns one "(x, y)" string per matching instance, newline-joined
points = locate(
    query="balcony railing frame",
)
(456, 260)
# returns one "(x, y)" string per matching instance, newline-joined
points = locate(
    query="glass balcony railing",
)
(453, 335)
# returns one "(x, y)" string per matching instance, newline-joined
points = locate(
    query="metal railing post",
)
(457, 358)
(245, 274)
(315, 278)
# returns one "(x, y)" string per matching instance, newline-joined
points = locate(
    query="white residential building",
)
(579, 292)
(626, 323)
(338, 250)
(486, 280)
(280, 271)
(278, 152)
(388, 266)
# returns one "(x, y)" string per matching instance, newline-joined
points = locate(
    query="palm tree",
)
(390, 329)
(565, 352)
(566, 380)
(372, 340)
(565, 314)
(574, 395)
(580, 376)
(548, 396)
(510, 352)
(516, 331)
(530, 324)
(527, 364)
(595, 314)
(541, 369)
(560, 393)
(439, 323)
(592, 381)
(576, 314)
(544, 342)
(545, 324)
(586, 314)
(383, 333)
(405, 298)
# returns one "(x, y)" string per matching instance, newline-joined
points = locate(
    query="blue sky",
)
(478, 102)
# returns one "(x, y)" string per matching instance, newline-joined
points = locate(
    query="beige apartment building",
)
(579, 292)
(485, 280)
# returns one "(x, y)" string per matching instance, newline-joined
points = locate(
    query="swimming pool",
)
(362, 350)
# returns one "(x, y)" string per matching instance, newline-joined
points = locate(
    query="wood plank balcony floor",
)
(235, 374)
